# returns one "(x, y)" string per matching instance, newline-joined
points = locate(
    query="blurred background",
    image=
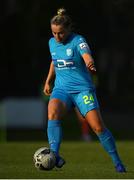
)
(108, 26)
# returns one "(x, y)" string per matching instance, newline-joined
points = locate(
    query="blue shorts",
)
(84, 101)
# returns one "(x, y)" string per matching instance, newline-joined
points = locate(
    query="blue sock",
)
(108, 143)
(54, 133)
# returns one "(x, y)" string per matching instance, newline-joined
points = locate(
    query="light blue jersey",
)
(72, 75)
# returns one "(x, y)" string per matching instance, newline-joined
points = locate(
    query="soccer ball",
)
(44, 159)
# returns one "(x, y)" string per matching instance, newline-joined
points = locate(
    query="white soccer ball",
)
(44, 159)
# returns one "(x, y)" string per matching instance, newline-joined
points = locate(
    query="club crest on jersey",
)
(69, 52)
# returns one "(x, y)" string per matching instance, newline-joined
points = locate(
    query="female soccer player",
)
(72, 64)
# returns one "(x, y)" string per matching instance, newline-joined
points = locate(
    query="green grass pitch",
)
(83, 161)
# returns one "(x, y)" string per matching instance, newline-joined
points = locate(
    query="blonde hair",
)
(61, 18)
(61, 11)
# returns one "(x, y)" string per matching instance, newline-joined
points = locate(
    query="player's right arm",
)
(89, 62)
(49, 81)
(85, 52)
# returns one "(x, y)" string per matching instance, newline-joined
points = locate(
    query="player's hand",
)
(91, 67)
(47, 89)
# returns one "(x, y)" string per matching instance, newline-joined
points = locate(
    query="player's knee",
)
(54, 114)
(98, 129)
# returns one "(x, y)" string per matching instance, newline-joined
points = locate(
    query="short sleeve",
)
(82, 46)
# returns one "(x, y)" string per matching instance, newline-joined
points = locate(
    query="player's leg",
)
(57, 107)
(56, 110)
(84, 126)
(105, 137)
(88, 105)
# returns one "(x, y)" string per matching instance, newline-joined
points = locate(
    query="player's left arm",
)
(50, 80)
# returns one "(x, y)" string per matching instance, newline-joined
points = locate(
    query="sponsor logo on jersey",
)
(69, 52)
(64, 64)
